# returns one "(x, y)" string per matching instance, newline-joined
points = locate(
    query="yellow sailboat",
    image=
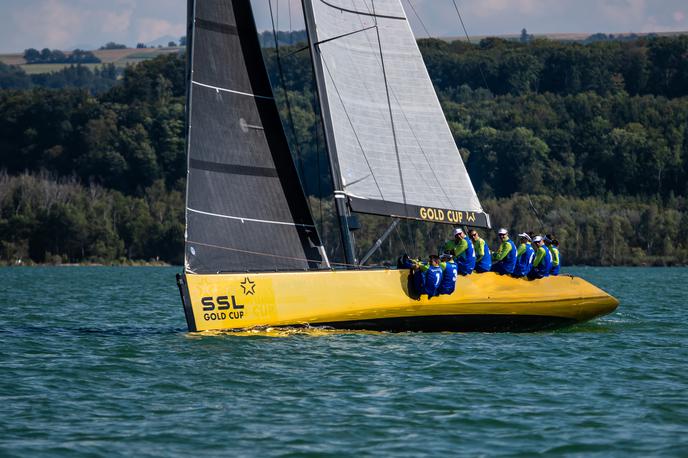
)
(253, 255)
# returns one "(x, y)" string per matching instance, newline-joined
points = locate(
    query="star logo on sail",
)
(248, 286)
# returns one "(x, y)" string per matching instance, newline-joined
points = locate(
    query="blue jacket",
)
(485, 263)
(545, 266)
(448, 283)
(524, 262)
(431, 281)
(510, 261)
(466, 262)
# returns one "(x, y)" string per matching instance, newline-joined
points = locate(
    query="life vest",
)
(556, 255)
(543, 269)
(448, 283)
(432, 280)
(485, 263)
(466, 262)
(510, 260)
(524, 262)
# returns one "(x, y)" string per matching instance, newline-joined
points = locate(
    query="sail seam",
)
(221, 89)
(253, 220)
(233, 169)
(216, 26)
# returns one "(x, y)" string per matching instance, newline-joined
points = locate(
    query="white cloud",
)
(148, 29)
(627, 14)
(63, 23)
(487, 8)
(52, 23)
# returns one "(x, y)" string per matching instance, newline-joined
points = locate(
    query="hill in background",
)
(118, 57)
(592, 136)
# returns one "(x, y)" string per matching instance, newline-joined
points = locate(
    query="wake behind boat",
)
(253, 255)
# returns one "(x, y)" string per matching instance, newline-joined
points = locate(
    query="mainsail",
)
(246, 210)
(389, 138)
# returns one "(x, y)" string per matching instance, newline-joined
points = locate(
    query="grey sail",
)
(246, 210)
(391, 141)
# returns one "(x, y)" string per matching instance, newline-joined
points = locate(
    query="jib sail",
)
(246, 210)
(391, 141)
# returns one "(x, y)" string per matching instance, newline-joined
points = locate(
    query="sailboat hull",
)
(380, 300)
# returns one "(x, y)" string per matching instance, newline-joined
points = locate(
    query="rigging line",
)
(537, 215)
(291, 37)
(286, 93)
(419, 19)
(344, 35)
(297, 51)
(389, 105)
(276, 12)
(480, 68)
(401, 239)
(353, 129)
(316, 135)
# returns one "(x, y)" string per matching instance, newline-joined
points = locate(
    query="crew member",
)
(549, 242)
(449, 274)
(524, 256)
(542, 264)
(427, 277)
(483, 260)
(454, 244)
(555, 249)
(462, 249)
(504, 260)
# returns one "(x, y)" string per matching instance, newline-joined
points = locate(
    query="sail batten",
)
(393, 143)
(245, 210)
(231, 90)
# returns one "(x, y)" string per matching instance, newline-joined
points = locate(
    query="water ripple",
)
(107, 369)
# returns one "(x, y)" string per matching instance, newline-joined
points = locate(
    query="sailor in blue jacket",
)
(483, 260)
(504, 260)
(449, 273)
(463, 251)
(553, 246)
(524, 256)
(543, 260)
(427, 277)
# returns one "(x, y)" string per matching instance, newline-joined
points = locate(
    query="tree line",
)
(55, 56)
(602, 159)
(95, 81)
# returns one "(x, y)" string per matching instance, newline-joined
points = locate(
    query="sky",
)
(65, 24)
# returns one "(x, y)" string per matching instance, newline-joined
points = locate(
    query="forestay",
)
(394, 149)
(246, 210)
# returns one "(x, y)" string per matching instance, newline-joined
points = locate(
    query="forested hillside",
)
(588, 141)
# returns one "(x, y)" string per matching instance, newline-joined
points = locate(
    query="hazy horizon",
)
(64, 24)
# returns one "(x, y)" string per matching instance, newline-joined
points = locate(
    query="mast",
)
(340, 198)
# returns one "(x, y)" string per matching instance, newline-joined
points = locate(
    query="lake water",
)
(96, 361)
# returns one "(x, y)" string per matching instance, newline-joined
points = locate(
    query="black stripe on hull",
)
(186, 302)
(456, 323)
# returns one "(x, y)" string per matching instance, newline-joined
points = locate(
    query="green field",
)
(119, 57)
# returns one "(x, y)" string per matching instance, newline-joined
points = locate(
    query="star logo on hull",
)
(248, 286)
